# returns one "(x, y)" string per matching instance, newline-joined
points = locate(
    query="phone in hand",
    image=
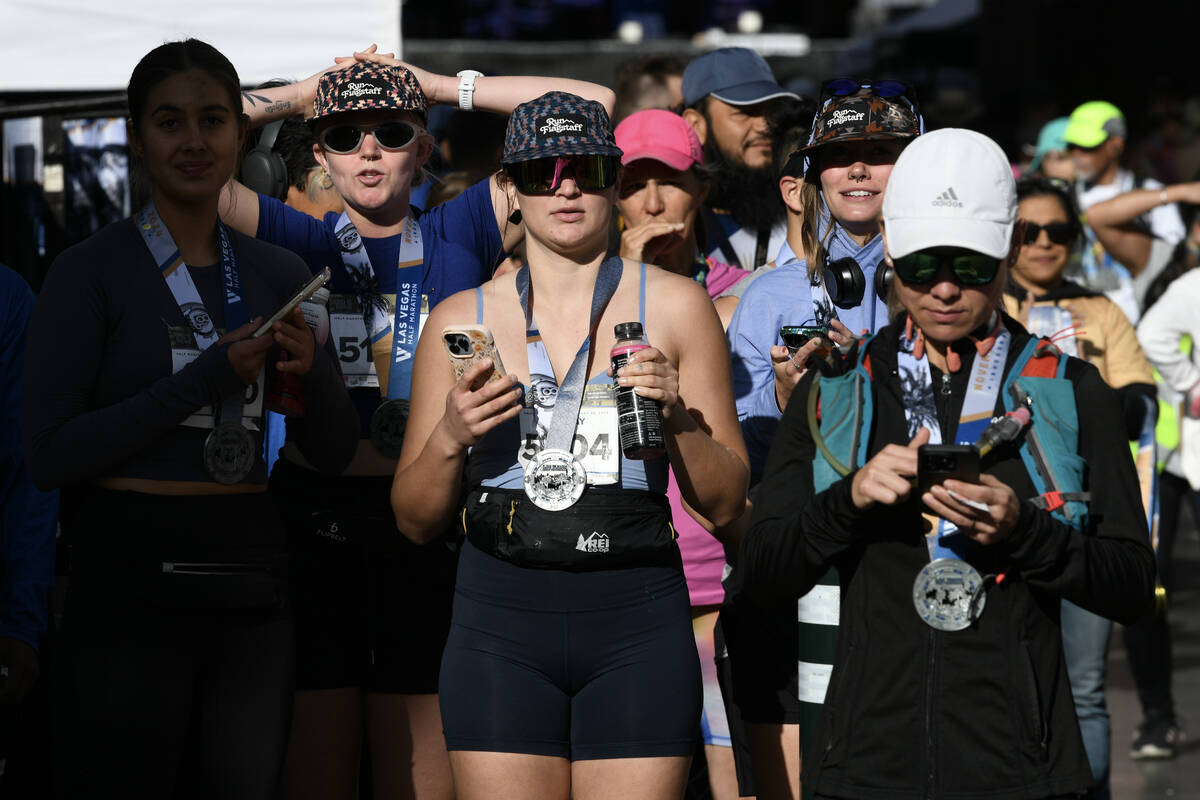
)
(469, 344)
(306, 291)
(796, 336)
(940, 462)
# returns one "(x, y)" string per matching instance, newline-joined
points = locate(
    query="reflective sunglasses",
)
(1059, 232)
(969, 269)
(346, 139)
(543, 175)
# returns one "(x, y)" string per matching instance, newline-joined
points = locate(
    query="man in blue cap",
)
(729, 96)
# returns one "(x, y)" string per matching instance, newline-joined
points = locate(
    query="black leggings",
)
(157, 692)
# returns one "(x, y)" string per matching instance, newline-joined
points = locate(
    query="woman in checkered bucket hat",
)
(391, 265)
(570, 558)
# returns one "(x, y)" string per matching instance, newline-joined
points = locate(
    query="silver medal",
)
(943, 592)
(554, 479)
(229, 453)
(387, 427)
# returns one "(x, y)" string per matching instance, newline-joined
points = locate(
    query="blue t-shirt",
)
(461, 240)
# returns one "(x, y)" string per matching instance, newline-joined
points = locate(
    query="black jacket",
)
(912, 712)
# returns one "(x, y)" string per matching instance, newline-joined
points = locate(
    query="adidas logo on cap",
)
(948, 199)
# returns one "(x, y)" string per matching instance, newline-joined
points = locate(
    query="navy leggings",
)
(578, 665)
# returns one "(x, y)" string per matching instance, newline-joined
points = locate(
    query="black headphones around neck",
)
(264, 170)
(846, 284)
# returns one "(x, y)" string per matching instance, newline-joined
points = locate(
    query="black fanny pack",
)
(603, 530)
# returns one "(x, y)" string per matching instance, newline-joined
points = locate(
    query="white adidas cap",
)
(950, 188)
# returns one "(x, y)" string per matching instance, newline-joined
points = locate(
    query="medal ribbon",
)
(561, 430)
(402, 322)
(179, 280)
(987, 374)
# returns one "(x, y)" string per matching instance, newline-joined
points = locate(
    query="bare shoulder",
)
(671, 293)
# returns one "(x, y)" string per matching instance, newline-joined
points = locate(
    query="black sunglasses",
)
(1059, 232)
(969, 269)
(346, 139)
(843, 87)
(543, 175)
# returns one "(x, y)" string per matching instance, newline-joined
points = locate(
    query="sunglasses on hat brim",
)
(544, 175)
(346, 138)
(969, 268)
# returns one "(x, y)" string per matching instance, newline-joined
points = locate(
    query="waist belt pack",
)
(603, 530)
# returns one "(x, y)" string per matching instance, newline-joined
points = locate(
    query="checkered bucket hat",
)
(558, 124)
(367, 86)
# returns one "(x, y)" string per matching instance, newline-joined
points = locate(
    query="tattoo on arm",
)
(280, 107)
(254, 99)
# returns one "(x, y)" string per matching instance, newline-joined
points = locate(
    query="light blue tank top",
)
(493, 460)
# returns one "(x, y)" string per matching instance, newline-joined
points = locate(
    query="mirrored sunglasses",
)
(969, 269)
(544, 175)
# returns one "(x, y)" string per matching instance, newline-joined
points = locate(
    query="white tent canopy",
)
(78, 45)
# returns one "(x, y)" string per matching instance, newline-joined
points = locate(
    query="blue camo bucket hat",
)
(558, 124)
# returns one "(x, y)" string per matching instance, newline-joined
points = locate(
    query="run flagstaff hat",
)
(660, 135)
(1092, 123)
(735, 75)
(1049, 139)
(367, 86)
(558, 124)
(863, 115)
(950, 188)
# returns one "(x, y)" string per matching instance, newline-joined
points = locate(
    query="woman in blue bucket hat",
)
(570, 667)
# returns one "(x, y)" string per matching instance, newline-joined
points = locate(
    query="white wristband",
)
(466, 89)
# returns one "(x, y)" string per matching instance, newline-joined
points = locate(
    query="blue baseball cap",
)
(735, 75)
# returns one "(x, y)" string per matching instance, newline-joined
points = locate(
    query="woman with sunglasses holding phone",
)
(949, 678)
(374, 609)
(1090, 326)
(174, 668)
(571, 667)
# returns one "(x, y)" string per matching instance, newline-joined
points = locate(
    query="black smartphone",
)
(796, 336)
(939, 462)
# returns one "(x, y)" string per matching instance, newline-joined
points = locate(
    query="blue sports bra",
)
(493, 460)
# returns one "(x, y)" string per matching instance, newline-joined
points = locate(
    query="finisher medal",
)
(229, 453)
(943, 591)
(387, 427)
(554, 480)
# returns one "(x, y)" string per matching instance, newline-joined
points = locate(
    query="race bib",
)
(353, 343)
(596, 442)
(184, 352)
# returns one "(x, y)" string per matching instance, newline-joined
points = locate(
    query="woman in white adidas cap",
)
(949, 676)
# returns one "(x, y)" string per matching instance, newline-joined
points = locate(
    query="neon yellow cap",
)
(1092, 123)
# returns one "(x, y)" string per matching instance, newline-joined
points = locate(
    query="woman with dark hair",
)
(374, 611)
(1090, 326)
(571, 667)
(174, 671)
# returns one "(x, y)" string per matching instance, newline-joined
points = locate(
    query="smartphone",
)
(469, 344)
(306, 291)
(939, 462)
(796, 336)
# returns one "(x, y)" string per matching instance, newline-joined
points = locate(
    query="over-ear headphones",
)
(263, 170)
(846, 283)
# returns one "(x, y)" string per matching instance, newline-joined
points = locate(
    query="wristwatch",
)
(466, 88)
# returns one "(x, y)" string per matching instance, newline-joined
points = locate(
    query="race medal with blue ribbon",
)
(229, 450)
(392, 328)
(555, 478)
(947, 592)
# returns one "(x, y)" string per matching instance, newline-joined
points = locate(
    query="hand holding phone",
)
(306, 291)
(796, 336)
(937, 463)
(469, 344)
